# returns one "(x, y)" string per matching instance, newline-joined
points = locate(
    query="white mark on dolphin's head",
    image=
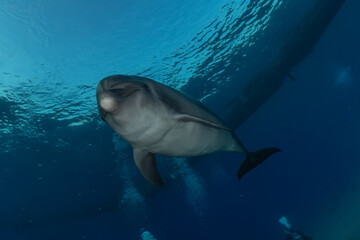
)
(108, 103)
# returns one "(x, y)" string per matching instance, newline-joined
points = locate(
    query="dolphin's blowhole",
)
(108, 103)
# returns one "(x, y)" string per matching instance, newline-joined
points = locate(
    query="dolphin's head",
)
(117, 92)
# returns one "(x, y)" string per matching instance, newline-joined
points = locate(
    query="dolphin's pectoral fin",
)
(146, 163)
(189, 118)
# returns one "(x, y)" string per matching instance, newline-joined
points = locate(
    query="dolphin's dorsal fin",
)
(146, 163)
(189, 118)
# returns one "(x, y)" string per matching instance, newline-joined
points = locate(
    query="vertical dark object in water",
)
(302, 42)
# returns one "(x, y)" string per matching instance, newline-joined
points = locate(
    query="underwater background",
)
(64, 173)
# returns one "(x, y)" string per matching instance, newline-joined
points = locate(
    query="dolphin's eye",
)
(146, 88)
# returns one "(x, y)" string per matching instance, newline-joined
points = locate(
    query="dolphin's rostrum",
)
(155, 118)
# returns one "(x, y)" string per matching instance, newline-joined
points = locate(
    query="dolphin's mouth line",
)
(132, 92)
(122, 91)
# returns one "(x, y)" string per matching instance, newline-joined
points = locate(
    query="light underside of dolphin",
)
(156, 119)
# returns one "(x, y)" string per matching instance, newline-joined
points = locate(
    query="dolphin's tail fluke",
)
(253, 159)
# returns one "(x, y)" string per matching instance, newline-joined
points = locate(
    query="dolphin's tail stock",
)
(253, 159)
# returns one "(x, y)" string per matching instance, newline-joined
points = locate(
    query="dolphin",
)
(157, 119)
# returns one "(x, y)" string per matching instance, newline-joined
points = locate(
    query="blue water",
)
(64, 174)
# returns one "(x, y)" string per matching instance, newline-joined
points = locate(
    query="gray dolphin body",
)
(155, 118)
